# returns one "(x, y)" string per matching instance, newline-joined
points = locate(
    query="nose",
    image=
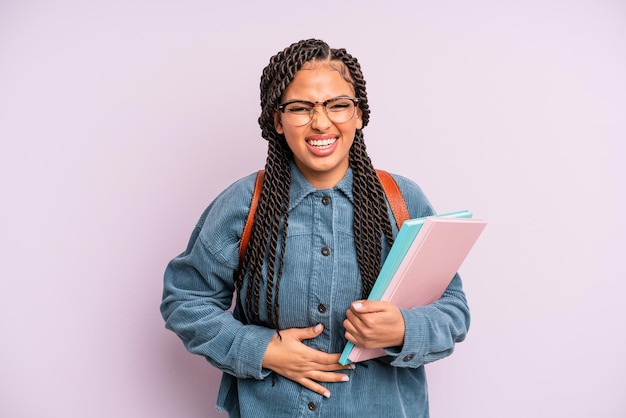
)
(319, 120)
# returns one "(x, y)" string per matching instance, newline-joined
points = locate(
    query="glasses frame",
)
(282, 107)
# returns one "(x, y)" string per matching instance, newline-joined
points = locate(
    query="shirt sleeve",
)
(198, 292)
(432, 331)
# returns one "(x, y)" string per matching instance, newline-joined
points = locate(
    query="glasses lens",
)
(338, 110)
(298, 113)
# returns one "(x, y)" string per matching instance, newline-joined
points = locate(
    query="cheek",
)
(351, 130)
(292, 135)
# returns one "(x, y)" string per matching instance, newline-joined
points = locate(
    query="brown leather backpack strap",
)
(247, 228)
(394, 197)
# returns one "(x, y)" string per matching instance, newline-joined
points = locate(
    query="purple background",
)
(121, 120)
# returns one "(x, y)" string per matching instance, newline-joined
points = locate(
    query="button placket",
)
(320, 300)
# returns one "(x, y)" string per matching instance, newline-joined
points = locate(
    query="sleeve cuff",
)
(252, 350)
(410, 354)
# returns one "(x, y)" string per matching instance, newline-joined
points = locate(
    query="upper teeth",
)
(322, 142)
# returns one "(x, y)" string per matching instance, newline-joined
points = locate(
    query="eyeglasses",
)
(300, 112)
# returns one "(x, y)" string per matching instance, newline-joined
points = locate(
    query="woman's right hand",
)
(287, 356)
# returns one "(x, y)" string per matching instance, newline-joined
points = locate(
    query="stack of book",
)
(423, 260)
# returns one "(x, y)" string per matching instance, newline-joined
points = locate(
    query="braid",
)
(268, 240)
(278, 198)
(270, 227)
(371, 219)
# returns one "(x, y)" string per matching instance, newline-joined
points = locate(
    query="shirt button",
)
(312, 406)
(408, 357)
(321, 308)
(325, 251)
(325, 200)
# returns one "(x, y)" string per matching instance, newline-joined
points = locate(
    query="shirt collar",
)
(301, 188)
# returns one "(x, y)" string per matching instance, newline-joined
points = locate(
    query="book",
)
(422, 262)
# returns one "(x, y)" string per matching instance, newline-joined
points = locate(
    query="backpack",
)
(390, 187)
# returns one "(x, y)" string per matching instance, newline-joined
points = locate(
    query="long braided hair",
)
(268, 239)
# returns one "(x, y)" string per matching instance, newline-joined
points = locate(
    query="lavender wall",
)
(121, 120)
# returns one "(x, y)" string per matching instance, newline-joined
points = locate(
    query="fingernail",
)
(318, 327)
(327, 394)
(345, 379)
(357, 305)
(352, 366)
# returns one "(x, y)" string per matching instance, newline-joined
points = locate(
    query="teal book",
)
(408, 252)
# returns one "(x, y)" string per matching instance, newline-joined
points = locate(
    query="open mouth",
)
(322, 143)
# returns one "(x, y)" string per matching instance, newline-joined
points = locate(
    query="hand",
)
(288, 357)
(374, 324)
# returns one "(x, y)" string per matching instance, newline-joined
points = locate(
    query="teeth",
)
(322, 142)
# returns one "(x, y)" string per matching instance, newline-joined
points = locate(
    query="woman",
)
(321, 232)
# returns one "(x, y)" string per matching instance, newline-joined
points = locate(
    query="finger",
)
(358, 306)
(332, 366)
(314, 386)
(327, 377)
(310, 332)
(355, 319)
(350, 337)
(352, 333)
(326, 362)
(349, 325)
(367, 306)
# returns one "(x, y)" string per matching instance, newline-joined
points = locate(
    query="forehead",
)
(318, 82)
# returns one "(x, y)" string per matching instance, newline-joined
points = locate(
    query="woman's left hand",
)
(374, 324)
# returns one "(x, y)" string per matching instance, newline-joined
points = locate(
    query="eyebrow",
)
(343, 96)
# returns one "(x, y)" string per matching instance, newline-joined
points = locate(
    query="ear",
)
(278, 125)
(359, 118)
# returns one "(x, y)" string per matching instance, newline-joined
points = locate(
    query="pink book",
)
(428, 267)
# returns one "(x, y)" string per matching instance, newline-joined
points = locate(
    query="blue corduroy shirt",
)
(320, 279)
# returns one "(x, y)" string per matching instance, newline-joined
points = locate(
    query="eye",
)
(339, 105)
(299, 108)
